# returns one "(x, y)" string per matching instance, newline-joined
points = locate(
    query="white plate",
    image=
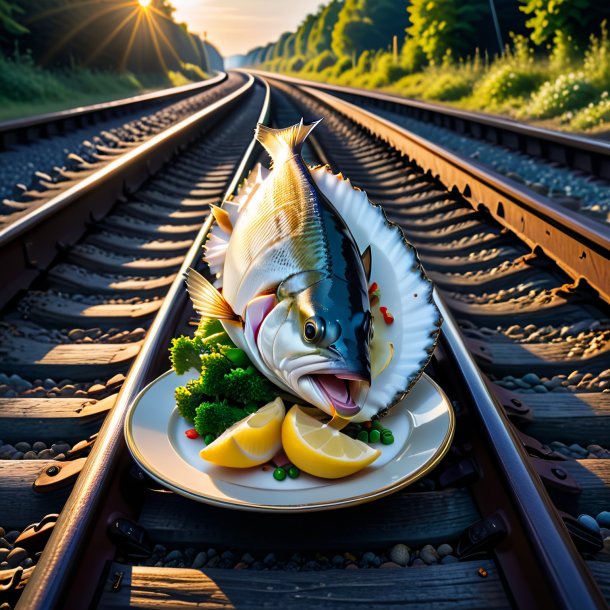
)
(422, 423)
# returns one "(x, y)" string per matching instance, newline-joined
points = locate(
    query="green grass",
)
(26, 89)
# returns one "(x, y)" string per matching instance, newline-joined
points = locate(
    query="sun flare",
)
(144, 3)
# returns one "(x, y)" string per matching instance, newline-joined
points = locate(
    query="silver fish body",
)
(295, 286)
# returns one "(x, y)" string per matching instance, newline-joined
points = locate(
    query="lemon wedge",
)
(252, 441)
(321, 450)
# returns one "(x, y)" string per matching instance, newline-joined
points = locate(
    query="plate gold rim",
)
(308, 507)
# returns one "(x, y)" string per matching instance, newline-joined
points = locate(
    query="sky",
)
(236, 26)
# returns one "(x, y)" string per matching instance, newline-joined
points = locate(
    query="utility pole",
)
(494, 16)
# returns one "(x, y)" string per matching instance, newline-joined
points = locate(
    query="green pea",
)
(388, 439)
(279, 474)
(363, 436)
(293, 472)
(374, 436)
(377, 425)
(208, 438)
(386, 432)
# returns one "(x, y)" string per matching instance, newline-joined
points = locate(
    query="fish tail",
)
(207, 301)
(282, 144)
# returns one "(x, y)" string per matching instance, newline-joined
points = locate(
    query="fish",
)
(295, 288)
(292, 284)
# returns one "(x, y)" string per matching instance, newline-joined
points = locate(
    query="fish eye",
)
(314, 329)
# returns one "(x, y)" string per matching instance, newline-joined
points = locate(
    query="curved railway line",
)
(93, 295)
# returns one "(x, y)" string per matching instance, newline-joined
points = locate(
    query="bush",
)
(449, 86)
(386, 71)
(412, 57)
(592, 115)
(295, 64)
(567, 92)
(324, 60)
(507, 81)
(22, 81)
(597, 59)
(343, 64)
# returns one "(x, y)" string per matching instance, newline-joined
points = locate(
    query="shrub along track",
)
(485, 501)
(70, 338)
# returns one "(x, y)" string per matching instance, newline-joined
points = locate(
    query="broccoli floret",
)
(248, 386)
(214, 367)
(185, 353)
(189, 397)
(215, 417)
(208, 327)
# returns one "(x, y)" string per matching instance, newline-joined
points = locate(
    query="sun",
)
(144, 3)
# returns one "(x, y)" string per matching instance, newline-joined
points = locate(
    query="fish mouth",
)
(340, 390)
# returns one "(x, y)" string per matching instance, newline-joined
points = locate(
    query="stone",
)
(199, 560)
(118, 379)
(603, 519)
(23, 446)
(444, 550)
(429, 554)
(449, 559)
(173, 556)
(12, 536)
(16, 556)
(389, 564)
(96, 389)
(589, 522)
(400, 554)
(241, 565)
(39, 446)
(368, 558)
(531, 378)
(76, 334)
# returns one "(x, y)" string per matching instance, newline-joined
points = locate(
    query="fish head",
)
(319, 344)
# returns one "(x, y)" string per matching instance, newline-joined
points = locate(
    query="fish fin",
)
(367, 262)
(298, 282)
(207, 301)
(222, 218)
(282, 144)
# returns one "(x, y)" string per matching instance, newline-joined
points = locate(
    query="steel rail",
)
(19, 130)
(571, 583)
(67, 543)
(581, 152)
(581, 247)
(30, 243)
(568, 579)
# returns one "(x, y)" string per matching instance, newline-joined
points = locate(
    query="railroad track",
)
(43, 156)
(566, 171)
(485, 504)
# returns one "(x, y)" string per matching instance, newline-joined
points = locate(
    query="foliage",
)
(591, 115)
(596, 64)
(442, 25)
(368, 24)
(320, 37)
(321, 62)
(572, 17)
(567, 92)
(413, 57)
(302, 35)
(449, 86)
(25, 87)
(513, 76)
(8, 19)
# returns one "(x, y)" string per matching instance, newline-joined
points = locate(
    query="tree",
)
(368, 24)
(320, 37)
(165, 7)
(438, 26)
(575, 18)
(8, 23)
(302, 35)
(280, 46)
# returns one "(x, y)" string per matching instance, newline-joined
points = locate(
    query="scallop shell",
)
(405, 291)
